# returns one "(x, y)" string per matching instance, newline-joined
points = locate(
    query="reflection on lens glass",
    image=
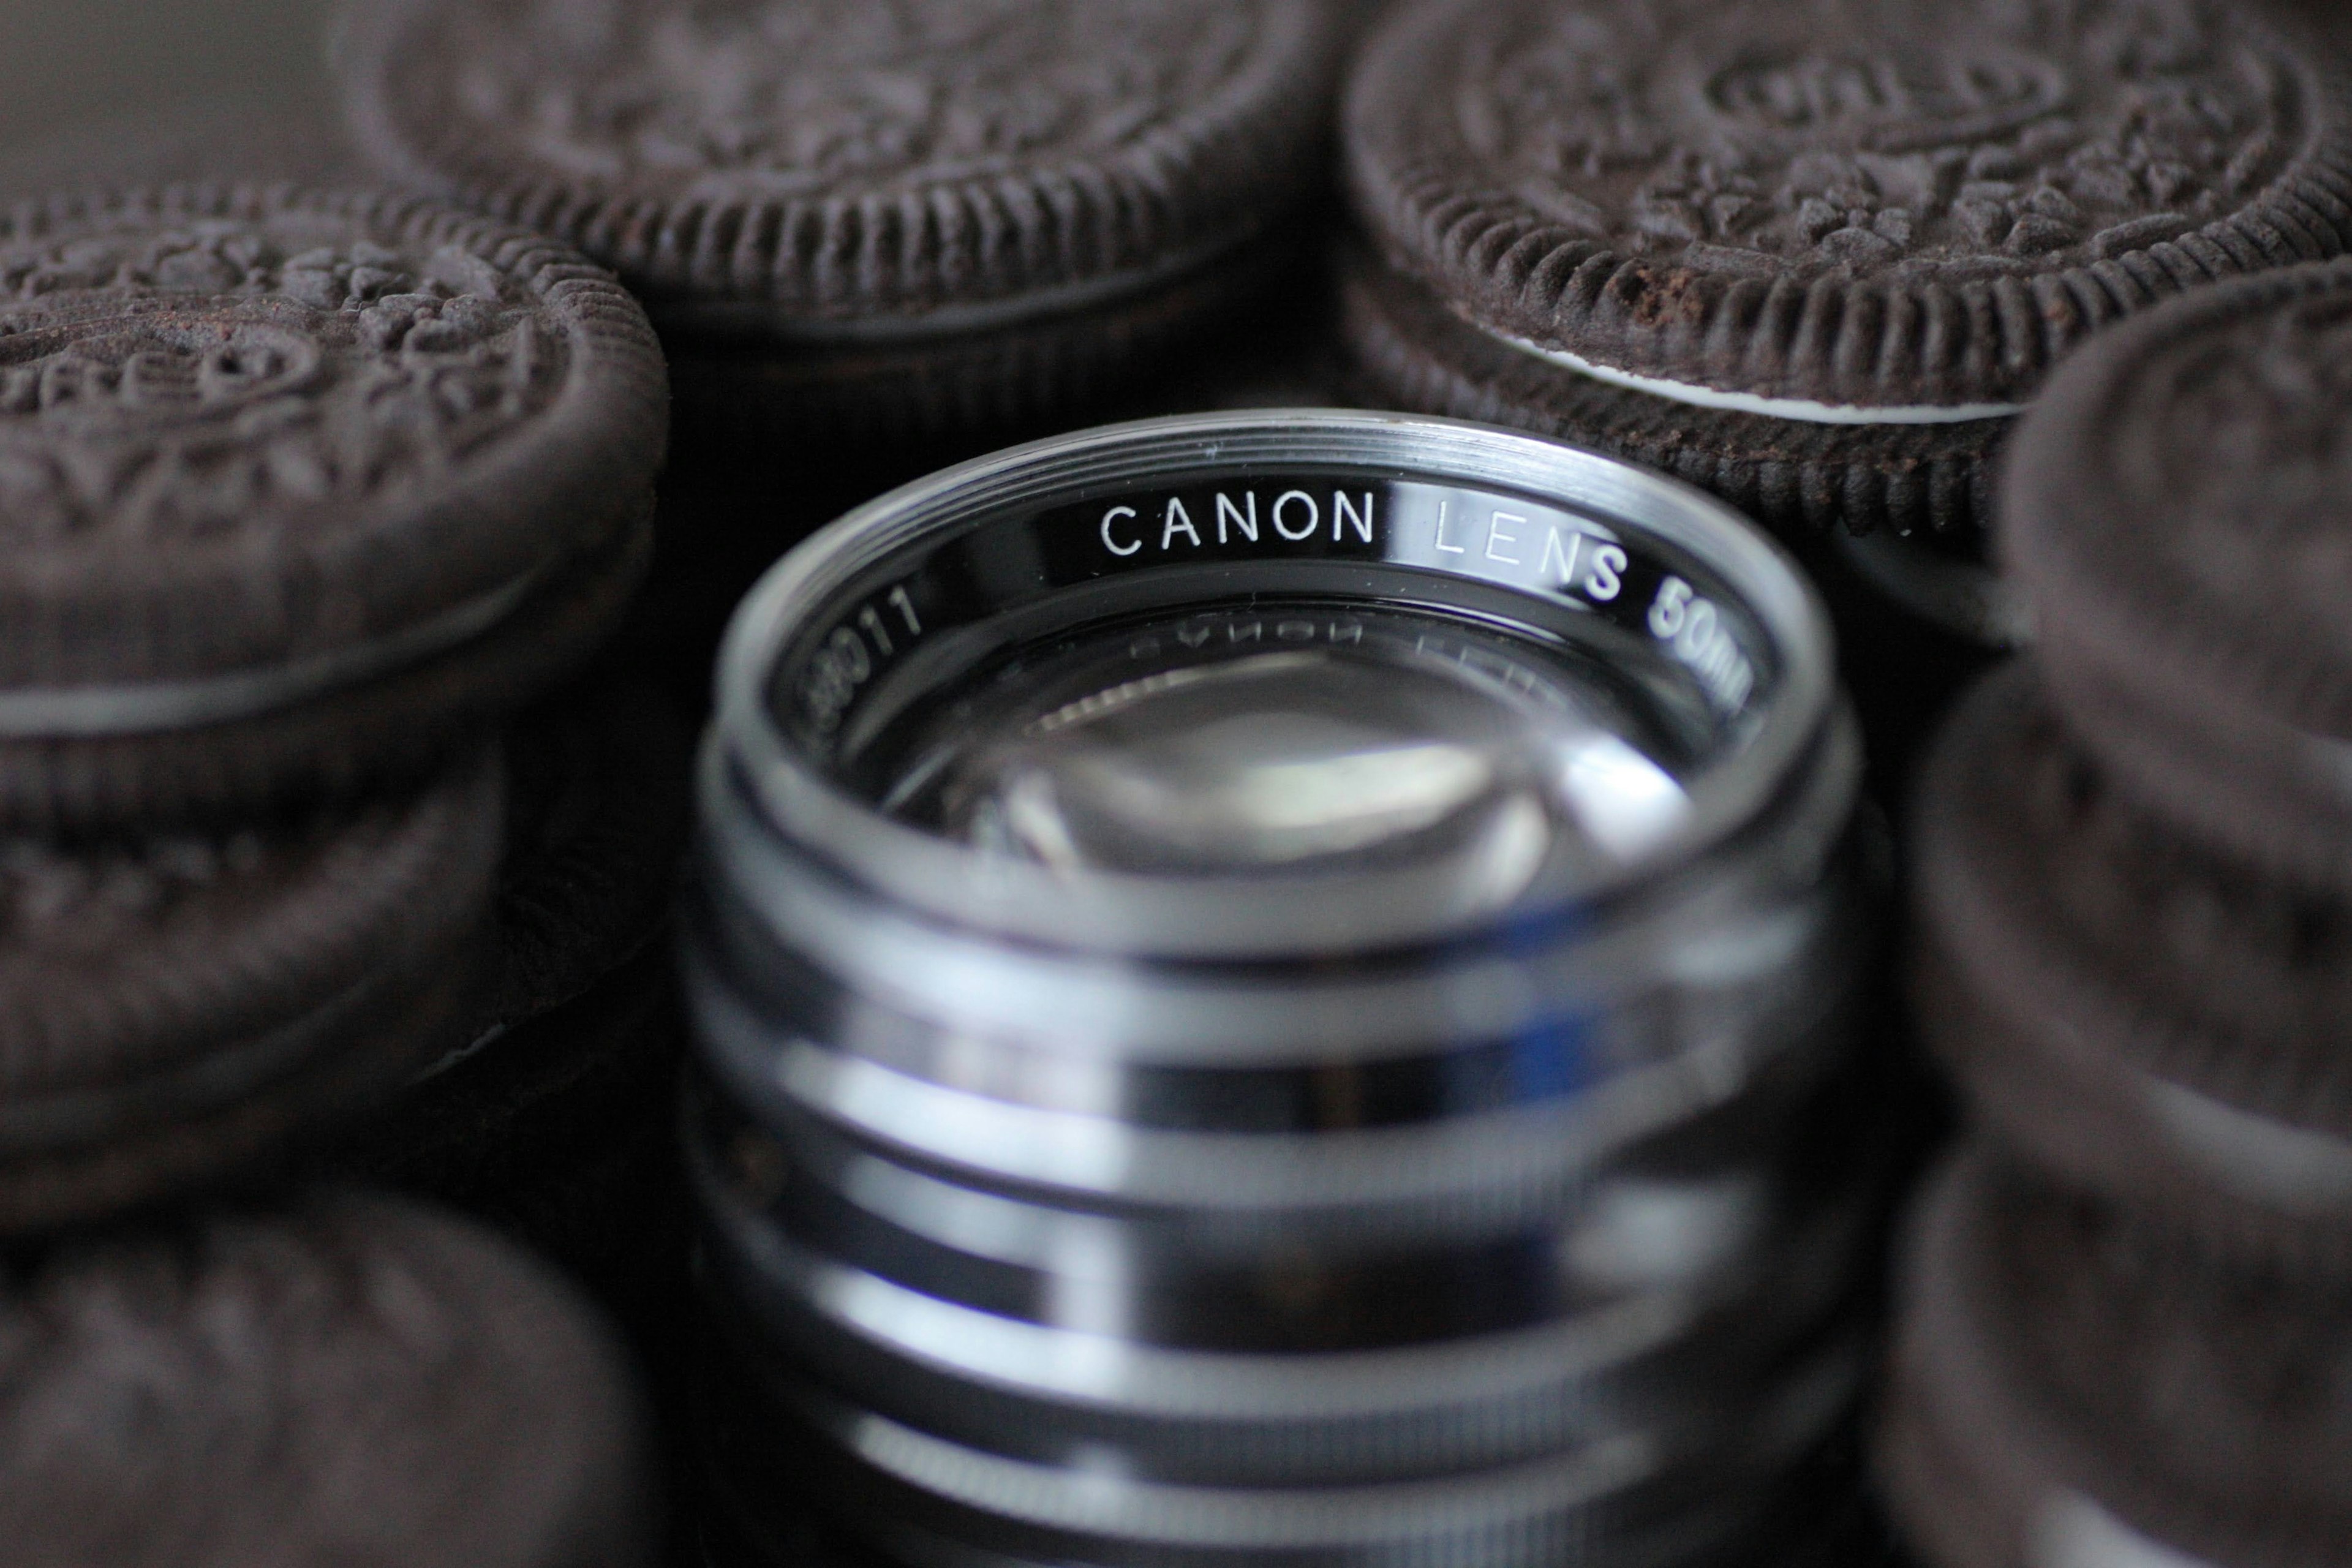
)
(1275, 759)
(1185, 746)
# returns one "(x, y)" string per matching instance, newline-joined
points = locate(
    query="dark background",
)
(75, 65)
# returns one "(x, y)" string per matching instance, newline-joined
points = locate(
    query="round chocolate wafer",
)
(1818, 254)
(299, 490)
(347, 1379)
(871, 220)
(2125, 1007)
(2179, 507)
(2067, 1390)
(174, 1010)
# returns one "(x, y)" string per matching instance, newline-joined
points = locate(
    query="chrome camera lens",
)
(1280, 988)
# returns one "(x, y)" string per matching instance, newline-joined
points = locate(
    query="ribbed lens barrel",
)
(1279, 989)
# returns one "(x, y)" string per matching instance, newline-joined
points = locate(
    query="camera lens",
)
(1279, 988)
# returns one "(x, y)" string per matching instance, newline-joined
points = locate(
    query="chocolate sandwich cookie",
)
(345, 1379)
(302, 490)
(915, 220)
(2179, 507)
(175, 1009)
(2068, 1391)
(2126, 1008)
(1815, 256)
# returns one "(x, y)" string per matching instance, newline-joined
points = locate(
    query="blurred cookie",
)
(174, 1010)
(2180, 507)
(2068, 1391)
(347, 1380)
(2128, 1010)
(1815, 256)
(893, 223)
(302, 491)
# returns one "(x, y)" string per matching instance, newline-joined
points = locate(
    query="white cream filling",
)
(2258, 1157)
(1799, 408)
(1971, 600)
(461, 1054)
(2070, 1530)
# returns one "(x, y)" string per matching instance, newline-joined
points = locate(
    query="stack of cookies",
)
(1817, 256)
(2128, 1316)
(874, 238)
(311, 495)
(307, 497)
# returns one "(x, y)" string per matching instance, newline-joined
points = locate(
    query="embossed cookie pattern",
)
(1750, 140)
(723, 100)
(187, 383)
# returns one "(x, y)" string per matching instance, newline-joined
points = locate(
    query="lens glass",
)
(1269, 734)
